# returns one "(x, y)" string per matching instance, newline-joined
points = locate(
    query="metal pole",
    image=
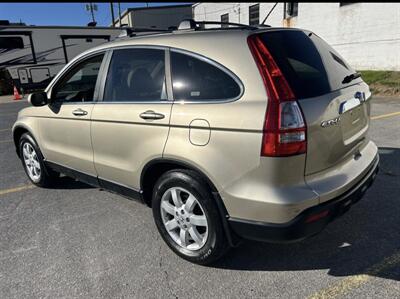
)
(119, 13)
(112, 14)
(237, 9)
(91, 11)
(270, 13)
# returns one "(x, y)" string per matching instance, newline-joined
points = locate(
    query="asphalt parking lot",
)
(77, 241)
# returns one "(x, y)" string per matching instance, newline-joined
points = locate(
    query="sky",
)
(65, 14)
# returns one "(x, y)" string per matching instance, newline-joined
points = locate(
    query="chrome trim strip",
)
(103, 75)
(143, 46)
(349, 104)
(133, 103)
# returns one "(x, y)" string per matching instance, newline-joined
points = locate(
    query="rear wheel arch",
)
(154, 169)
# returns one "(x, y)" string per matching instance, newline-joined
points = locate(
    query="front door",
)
(65, 123)
(130, 125)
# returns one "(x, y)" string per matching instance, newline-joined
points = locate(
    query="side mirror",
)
(38, 99)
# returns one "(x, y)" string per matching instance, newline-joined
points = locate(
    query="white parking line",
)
(385, 115)
(16, 189)
(344, 286)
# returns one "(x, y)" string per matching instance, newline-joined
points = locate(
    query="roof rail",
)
(130, 32)
(185, 25)
(190, 24)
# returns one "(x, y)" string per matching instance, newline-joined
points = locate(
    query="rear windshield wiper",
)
(350, 78)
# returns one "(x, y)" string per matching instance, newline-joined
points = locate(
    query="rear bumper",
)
(310, 221)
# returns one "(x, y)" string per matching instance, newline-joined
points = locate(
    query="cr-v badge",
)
(331, 122)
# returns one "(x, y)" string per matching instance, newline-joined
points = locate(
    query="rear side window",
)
(136, 75)
(310, 65)
(197, 80)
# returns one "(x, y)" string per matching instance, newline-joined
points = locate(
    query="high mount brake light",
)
(284, 126)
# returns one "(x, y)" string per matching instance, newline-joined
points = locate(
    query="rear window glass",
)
(310, 65)
(197, 80)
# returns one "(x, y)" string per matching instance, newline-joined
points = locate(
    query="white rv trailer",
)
(33, 55)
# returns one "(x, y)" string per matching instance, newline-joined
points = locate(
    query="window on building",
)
(136, 75)
(254, 14)
(10, 43)
(292, 9)
(224, 19)
(197, 80)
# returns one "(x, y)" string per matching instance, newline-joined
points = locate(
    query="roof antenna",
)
(269, 13)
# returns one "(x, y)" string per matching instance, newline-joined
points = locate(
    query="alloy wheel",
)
(31, 161)
(184, 218)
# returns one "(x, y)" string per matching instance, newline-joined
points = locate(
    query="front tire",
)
(187, 217)
(32, 160)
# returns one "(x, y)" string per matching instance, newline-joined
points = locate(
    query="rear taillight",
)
(284, 126)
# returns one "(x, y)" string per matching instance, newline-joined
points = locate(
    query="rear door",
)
(130, 124)
(335, 107)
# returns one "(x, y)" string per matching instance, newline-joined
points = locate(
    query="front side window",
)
(79, 83)
(136, 75)
(197, 80)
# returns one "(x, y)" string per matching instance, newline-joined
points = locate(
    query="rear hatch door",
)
(332, 97)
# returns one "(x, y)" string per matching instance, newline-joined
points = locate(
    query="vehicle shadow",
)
(68, 183)
(365, 236)
(65, 182)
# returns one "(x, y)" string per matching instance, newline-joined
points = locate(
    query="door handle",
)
(79, 112)
(150, 114)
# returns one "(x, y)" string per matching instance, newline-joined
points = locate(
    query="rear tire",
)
(183, 202)
(33, 162)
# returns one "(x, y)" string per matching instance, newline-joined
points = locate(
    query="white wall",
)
(160, 18)
(156, 18)
(367, 35)
(213, 12)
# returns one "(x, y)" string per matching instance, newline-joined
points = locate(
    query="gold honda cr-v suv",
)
(227, 133)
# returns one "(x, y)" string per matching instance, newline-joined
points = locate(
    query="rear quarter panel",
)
(230, 155)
